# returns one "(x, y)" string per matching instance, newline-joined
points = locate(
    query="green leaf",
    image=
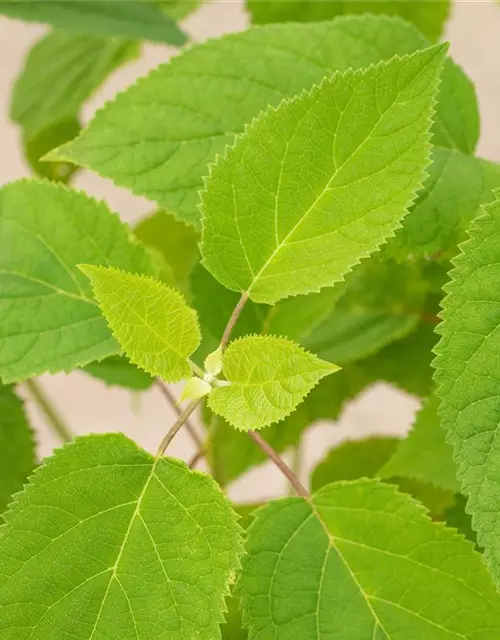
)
(268, 378)
(140, 20)
(365, 554)
(17, 446)
(37, 146)
(118, 371)
(49, 320)
(273, 232)
(468, 374)
(232, 629)
(177, 243)
(428, 15)
(152, 322)
(232, 452)
(354, 459)
(457, 517)
(424, 454)
(451, 196)
(116, 544)
(158, 137)
(61, 72)
(382, 302)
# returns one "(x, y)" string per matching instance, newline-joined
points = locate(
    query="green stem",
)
(296, 460)
(50, 412)
(176, 426)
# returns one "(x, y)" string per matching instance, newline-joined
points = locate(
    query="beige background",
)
(87, 404)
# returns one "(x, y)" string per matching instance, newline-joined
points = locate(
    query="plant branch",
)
(176, 426)
(191, 429)
(282, 466)
(196, 458)
(232, 320)
(51, 414)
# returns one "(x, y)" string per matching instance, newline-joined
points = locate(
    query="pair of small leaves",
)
(108, 542)
(267, 376)
(157, 138)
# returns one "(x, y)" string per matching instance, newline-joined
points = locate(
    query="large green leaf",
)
(108, 543)
(152, 322)
(456, 186)
(141, 20)
(61, 72)
(268, 377)
(382, 302)
(468, 374)
(158, 137)
(49, 320)
(17, 446)
(364, 555)
(272, 231)
(424, 454)
(428, 15)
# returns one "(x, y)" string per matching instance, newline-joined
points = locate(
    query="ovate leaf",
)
(364, 554)
(176, 241)
(158, 137)
(49, 320)
(116, 544)
(17, 446)
(152, 322)
(428, 15)
(424, 454)
(144, 21)
(468, 374)
(272, 231)
(268, 378)
(118, 371)
(382, 302)
(60, 74)
(457, 185)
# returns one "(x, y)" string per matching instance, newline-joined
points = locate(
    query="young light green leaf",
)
(157, 138)
(365, 554)
(468, 374)
(272, 231)
(457, 185)
(17, 446)
(144, 21)
(382, 302)
(213, 362)
(195, 388)
(152, 322)
(429, 16)
(118, 371)
(149, 548)
(424, 454)
(268, 378)
(176, 241)
(49, 320)
(60, 74)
